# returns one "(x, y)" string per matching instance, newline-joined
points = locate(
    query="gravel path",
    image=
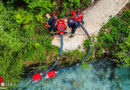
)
(94, 17)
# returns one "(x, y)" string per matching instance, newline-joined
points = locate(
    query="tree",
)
(10, 57)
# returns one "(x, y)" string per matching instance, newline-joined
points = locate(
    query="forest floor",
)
(94, 17)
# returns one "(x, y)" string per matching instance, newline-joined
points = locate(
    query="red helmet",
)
(53, 14)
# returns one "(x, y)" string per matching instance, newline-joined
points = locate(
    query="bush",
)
(10, 57)
(124, 52)
(114, 36)
(87, 43)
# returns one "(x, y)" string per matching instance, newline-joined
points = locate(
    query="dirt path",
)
(94, 17)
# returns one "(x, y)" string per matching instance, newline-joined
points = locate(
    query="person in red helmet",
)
(53, 14)
(52, 23)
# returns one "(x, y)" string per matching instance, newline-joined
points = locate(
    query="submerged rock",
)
(75, 84)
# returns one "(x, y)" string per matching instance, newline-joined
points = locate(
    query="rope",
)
(69, 32)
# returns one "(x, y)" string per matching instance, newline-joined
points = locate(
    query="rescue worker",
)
(52, 23)
(73, 26)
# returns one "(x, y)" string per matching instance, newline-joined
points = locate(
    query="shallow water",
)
(101, 77)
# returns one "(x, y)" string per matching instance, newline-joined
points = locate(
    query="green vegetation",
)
(114, 37)
(23, 39)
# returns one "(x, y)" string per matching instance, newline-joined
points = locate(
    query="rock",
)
(2, 84)
(95, 39)
(75, 84)
(92, 1)
(105, 30)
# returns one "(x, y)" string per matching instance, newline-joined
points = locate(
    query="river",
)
(94, 76)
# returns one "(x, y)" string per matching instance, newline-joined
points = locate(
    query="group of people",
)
(72, 24)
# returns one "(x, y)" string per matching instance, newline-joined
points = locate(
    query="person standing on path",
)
(73, 26)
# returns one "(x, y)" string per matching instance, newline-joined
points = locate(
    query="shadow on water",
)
(101, 75)
(103, 67)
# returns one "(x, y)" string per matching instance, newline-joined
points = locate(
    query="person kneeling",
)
(52, 23)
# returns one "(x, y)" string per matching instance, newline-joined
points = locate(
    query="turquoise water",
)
(98, 76)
